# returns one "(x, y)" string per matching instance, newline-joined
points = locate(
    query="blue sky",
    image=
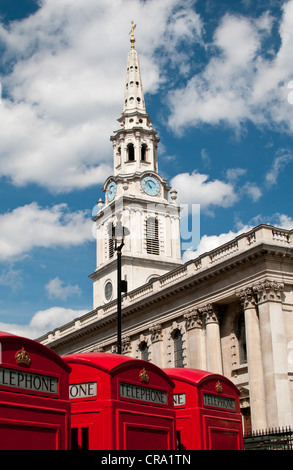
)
(218, 83)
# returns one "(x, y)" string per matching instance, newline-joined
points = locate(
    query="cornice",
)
(171, 290)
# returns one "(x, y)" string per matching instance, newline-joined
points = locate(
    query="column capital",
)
(210, 313)
(247, 298)
(156, 333)
(192, 319)
(126, 345)
(269, 291)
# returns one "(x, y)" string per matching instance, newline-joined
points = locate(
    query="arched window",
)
(152, 278)
(152, 236)
(178, 349)
(144, 351)
(143, 152)
(130, 152)
(241, 339)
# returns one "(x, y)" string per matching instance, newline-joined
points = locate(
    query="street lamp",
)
(118, 233)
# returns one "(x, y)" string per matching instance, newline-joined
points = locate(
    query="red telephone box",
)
(207, 411)
(34, 398)
(120, 403)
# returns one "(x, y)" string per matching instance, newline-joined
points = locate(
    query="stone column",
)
(254, 360)
(213, 341)
(194, 339)
(274, 353)
(156, 339)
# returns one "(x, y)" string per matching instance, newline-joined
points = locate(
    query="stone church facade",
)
(228, 311)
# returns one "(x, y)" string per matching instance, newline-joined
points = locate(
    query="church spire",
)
(135, 143)
(139, 195)
(133, 96)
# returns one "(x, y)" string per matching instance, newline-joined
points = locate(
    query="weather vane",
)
(132, 39)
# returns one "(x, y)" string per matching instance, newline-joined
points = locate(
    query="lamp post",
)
(118, 233)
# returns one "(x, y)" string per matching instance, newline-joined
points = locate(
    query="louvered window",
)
(111, 246)
(152, 236)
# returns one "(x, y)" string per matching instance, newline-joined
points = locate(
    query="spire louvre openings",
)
(139, 195)
(135, 142)
(134, 97)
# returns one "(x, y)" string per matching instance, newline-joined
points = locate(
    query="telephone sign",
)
(34, 398)
(207, 410)
(120, 403)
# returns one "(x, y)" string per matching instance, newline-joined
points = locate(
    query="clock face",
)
(111, 191)
(150, 185)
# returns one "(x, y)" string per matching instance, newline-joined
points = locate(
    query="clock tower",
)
(137, 196)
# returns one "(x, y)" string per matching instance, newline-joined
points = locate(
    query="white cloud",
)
(233, 174)
(252, 190)
(30, 226)
(44, 153)
(285, 221)
(42, 322)
(240, 83)
(282, 159)
(205, 158)
(63, 88)
(210, 242)
(11, 278)
(238, 40)
(196, 188)
(59, 290)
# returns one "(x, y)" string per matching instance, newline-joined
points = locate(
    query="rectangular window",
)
(144, 351)
(178, 350)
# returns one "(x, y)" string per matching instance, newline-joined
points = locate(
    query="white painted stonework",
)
(231, 308)
(135, 193)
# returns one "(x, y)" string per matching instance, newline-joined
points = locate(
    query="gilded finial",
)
(132, 39)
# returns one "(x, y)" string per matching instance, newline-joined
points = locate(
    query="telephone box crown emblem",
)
(144, 376)
(219, 387)
(22, 357)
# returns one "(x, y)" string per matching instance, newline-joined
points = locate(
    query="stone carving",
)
(247, 298)
(156, 332)
(210, 313)
(193, 319)
(269, 290)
